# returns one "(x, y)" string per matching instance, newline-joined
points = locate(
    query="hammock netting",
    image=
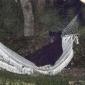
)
(49, 60)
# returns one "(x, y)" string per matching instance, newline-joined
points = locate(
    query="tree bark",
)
(40, 6)
(28, 17)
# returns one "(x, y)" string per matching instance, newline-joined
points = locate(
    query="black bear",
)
(48, 54)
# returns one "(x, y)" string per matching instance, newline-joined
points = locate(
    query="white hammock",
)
(13, 62)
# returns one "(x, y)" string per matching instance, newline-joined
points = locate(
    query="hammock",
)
(13, 62)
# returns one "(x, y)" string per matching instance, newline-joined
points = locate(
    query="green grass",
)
(35, 80)
(82, 31)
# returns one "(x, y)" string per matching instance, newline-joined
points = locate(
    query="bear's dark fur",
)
(48, 54)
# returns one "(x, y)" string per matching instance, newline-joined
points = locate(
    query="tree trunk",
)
(40, 6)
(28, 17)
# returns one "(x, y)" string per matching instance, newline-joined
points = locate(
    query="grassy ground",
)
(7, 78)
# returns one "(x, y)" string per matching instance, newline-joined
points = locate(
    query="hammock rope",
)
(13, 62)
(72, 27)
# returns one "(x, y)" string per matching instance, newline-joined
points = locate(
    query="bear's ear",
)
(55, 33)
(59, 32)
(50, 33)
